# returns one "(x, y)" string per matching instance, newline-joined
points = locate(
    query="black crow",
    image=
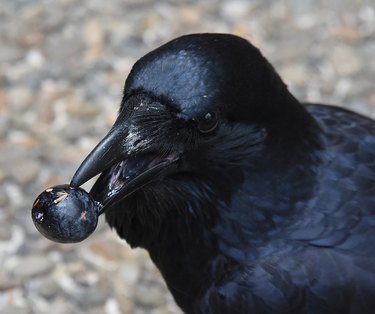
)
(246, 200)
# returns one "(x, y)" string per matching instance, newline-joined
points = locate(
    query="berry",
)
(65, 214)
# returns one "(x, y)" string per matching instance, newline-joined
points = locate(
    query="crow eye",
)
(208, 122)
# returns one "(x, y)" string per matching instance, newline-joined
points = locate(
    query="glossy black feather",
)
(273, 211)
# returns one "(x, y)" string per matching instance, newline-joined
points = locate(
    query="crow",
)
(247, 200)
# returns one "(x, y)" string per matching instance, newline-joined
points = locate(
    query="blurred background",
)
(62, 68)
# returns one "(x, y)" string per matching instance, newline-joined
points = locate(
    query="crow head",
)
(197, 114)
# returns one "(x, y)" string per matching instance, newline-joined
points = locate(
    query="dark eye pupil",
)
(208, 122)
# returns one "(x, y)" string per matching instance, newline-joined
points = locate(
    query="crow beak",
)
(107, 153)
(126, 160)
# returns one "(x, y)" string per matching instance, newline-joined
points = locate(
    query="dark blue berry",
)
(65, 214)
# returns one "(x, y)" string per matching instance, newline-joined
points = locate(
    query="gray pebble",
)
(24, 171)
(12, 309)
(48, 287)
(5, 231)
(31, 266)
(149, 295)
(10, 53)
(92, 296)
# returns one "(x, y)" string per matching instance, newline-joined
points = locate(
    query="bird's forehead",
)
(187, 78)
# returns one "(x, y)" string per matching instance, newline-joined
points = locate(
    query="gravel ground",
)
(62, 68)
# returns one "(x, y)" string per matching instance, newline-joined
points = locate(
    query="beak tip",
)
(81, 176)
(102, 157)
(75, 182)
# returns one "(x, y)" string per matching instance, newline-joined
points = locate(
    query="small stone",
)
(48, 288)
(32, 38)
(32, 12)
(62, 306)
(5, 231)
(235, 10)
(31, 266)
(23, 139)
(295, 74)
(4, 199)
(72, 43)
(10, 53)
(24, 171)
(112, 307)
(14, 239)
(94, 37)
(7, 283)
(92, 296)
(108, 250)
(54, 20)
(347, 32)
(77, 107)
(20, 98)
(149, 295)
(4, 105)
(13, 309)
(189, 14)
(35, 58)
(345, 61)
(125, 304)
